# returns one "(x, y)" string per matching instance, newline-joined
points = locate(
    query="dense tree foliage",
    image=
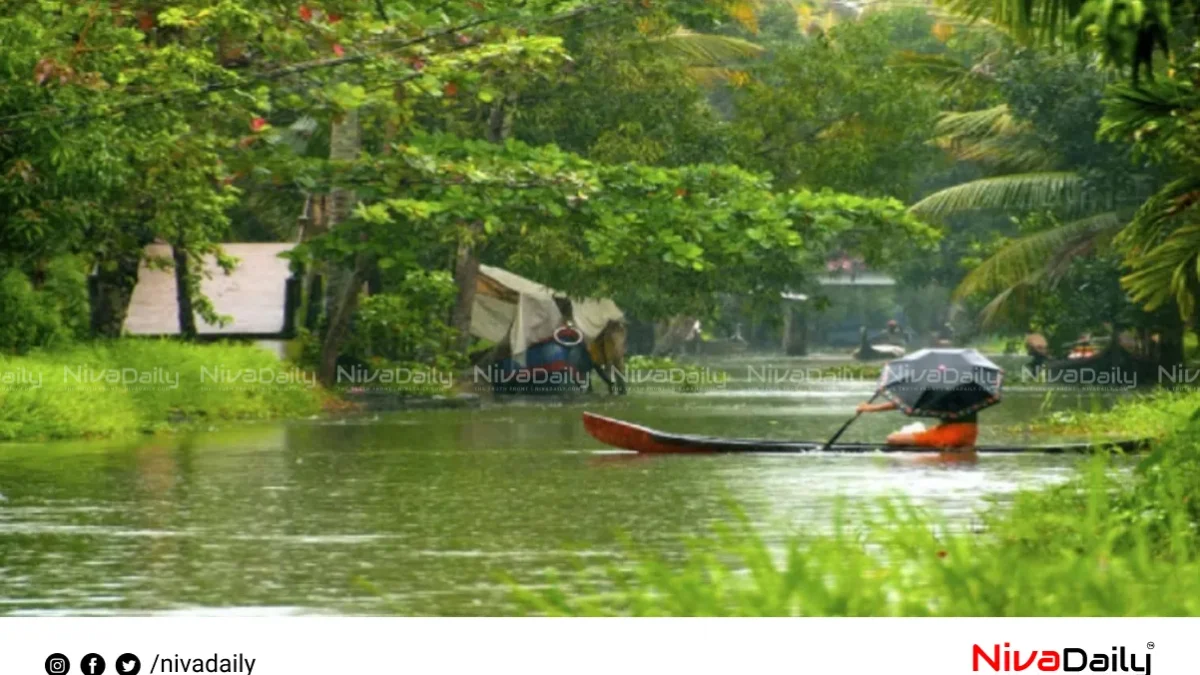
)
(837, 110)
(125, 124)
(670, 154)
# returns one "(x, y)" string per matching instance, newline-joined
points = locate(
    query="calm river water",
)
(422, 512)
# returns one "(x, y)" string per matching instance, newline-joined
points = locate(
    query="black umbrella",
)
(943, 383)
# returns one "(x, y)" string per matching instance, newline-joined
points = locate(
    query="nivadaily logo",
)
(1069, 660)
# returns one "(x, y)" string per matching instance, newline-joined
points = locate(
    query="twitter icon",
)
(128, 664)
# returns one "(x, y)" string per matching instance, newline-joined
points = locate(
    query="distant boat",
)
(869, 352)
(1113, 360)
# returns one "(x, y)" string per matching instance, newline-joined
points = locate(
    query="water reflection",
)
(430, 509)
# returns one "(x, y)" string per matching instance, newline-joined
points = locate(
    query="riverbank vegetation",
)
(135, 386)
(664, 372)
(1148, 414)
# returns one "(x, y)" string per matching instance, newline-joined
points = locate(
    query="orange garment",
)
(948, 435)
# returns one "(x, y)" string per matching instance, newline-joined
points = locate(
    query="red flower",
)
(145, 21)
(305, 13)
(334, 18)
(257, 124)
(337, 49)
(450, 89)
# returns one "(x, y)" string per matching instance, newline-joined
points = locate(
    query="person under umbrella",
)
(951, 385)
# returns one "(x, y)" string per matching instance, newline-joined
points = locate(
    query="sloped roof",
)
(253, 295)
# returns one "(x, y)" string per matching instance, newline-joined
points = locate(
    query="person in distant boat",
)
(1082, 348)
(942, 337)
(892, 335)
(1038, 349)
(958, 434)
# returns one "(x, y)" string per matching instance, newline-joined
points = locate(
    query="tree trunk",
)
(341, 284)
(184, 291)
(795, 329)
(338, 326)
(111, 289)
(314, 222)
(466, 273)
(641, 337)
(466, 261)
(345, 144)
(1170, 345)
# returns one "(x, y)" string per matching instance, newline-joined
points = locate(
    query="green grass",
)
(1107, 543)
(68, 393)
(1154, 414)
(664, 371)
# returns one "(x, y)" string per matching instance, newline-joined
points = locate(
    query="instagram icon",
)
(57, 664)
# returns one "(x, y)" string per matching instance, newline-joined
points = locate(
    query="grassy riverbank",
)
(1156, 414)
(132, 386)
(1109, 542)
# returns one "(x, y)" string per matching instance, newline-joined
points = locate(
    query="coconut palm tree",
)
(1155, 109)
(1162, 241)
(1028, 176)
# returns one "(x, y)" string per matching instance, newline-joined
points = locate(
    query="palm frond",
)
(997, 120)
(1154, 220)
(1162, 248)
(706, 50)
(1042, 257)
(1126, 33)
(993, 136)
(1018, 192)
(1157, 110)
(1026, 20)
(1021, 154)
(711, 76)
(1010, 305)
(1169, 271)
(937, 67)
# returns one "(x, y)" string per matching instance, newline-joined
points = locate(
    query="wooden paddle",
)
(845, 426)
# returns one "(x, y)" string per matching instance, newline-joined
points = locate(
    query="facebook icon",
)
(92, 664)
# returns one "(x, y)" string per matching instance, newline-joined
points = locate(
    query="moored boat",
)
(871, 352)
(629, 436)
(1114, 365)
(549, 367)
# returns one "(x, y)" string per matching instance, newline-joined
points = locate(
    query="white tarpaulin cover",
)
(523, 311)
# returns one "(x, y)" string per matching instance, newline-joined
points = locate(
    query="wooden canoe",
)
(637, 438)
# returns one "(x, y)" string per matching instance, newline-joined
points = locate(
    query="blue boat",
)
(556, 365)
